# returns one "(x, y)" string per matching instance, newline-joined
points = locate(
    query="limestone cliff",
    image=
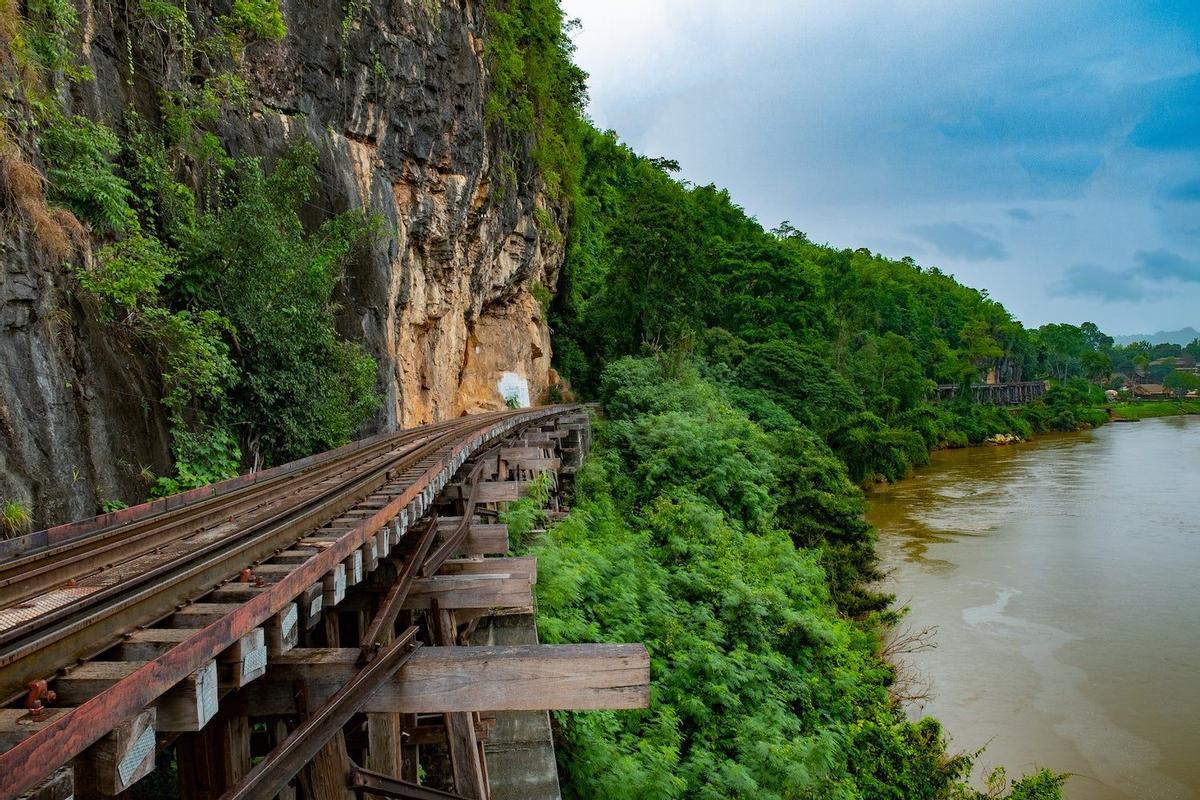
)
(391, 93)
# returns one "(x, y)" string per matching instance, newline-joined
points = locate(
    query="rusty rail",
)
(24, 765)
(364, 781)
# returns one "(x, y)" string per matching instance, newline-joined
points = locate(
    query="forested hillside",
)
(846, 343)
(750, 380)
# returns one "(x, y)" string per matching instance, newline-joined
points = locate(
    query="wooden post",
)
(465, 753)
(384, 735)
(410, 763)
(117, 761)
(59, 786)
(214, 759)
(478, 678)
(279, 731)
(325, 777)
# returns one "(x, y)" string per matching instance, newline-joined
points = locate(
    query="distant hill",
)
(1182, 336)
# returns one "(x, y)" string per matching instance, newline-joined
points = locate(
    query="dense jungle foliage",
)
(846, 343)
(201, 260)
(719, 544)
(751, 380)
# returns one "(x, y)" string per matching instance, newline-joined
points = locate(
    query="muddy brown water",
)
(1063, 579)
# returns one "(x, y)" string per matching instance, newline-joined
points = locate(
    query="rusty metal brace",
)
(389, 609)
(38, 691)
(271, 774)
(365, 781)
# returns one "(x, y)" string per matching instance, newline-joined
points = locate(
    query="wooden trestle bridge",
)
(304, 632)
(1004, 394)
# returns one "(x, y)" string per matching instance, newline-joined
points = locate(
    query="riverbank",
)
(1149, 409)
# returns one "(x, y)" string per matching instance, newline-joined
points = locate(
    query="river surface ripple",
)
(1061, 576)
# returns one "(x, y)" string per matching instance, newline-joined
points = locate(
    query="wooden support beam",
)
(384, 739)
(244, 661)
(471, 591)
(214, 759)
(294, 556)
(192, 703)
(511, 454)
(59, 786)
(517, 565)
(383, 541)
(438, 679)
(283, 630)
(436, 734)
(534, 466)
(279, 732)
(150, 643)
(310, 603)
(466, 759)
(500, 491)
(488, 539)
(17, 724)
(199, 615)
(233, 592)
(354, 568)
(325, 777)
(187, 706)
(370, 555)
(334, 586)
(119, 760)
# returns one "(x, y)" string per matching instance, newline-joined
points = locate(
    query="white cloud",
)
(861, 121)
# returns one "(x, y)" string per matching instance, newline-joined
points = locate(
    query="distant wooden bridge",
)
(1000, 394)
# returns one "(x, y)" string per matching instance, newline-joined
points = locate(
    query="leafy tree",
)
(762, 686)
(1097, 366)
(1181, 383)
(301, 388)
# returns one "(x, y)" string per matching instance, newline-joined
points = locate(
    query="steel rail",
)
(274, 772)
(389, 608)
(159, 510)
(27, 575)
(33, 759)
(48, 570)
(94, 622)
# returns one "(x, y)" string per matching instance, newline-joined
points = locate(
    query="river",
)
(1062, 578)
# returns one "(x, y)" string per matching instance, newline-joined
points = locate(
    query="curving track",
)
(70, 593)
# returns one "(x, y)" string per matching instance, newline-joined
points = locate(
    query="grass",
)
(15, 518)
(23, 189)
(1148, 409)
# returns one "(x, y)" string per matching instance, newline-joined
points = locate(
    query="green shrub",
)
(300, 387)
(255, 19)
(130, 272)
(527, 513)
(80, 153)
(201, 457)
(536, 90)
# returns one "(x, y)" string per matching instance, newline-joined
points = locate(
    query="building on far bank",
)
(1150, 391)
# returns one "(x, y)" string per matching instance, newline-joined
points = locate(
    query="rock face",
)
(391, 93)
(79, 420)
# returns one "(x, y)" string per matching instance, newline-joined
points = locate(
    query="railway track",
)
(214, 569)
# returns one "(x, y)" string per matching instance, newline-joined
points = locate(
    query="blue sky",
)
(1049, 152)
